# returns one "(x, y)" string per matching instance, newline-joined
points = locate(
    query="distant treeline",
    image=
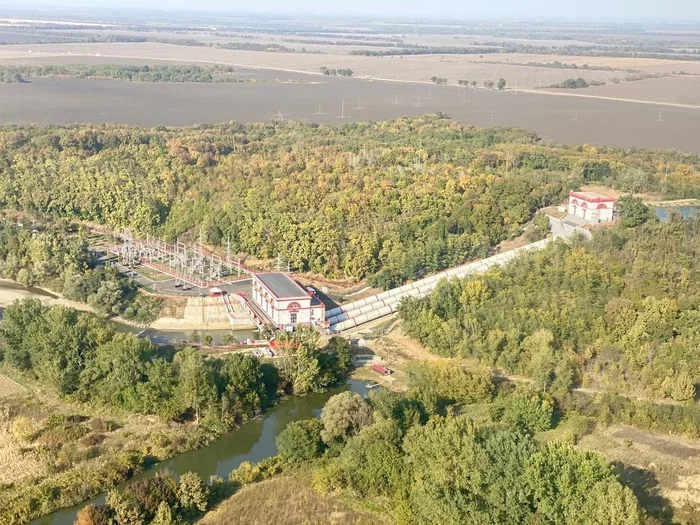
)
(483, 48)
(338, 43)
(80, 37)
(562, 65)
(571, 83)
(336, 72)
(156, 73)
(429, 50)
(658, 52)
(254, 46)
(577, 83)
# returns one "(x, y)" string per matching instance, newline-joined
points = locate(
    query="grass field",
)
(287, 500)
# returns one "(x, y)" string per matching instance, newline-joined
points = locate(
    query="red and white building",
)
(284, 302)
(592, 207)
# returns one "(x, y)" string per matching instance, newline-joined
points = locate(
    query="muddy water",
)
(253, 442)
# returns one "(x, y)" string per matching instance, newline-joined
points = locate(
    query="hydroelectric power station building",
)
(285, 302)
(592, 207)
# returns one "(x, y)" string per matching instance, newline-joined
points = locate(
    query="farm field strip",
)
(565, 119)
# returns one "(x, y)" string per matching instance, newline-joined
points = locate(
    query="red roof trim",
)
(600, 198)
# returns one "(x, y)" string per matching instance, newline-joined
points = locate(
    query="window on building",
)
(293, 317)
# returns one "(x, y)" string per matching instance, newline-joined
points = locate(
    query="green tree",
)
(609, 503)
(633, 212)
(193, 494)
(244, 390)
(501, 83)
(560, 477)
(344, 415)
(115, 373)
(530, 411)
(195, 388)
(301, 440)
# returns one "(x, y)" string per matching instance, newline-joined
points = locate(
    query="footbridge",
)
(359, 312)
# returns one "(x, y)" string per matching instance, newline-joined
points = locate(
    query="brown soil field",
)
(286, 500)
(647, 65)
(297, 97)
(676, 90)
(419, 68)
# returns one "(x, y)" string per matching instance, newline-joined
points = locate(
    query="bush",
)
(328, 478)
(245, 473)
(301, 440)
(23, 429)
(530, 411)
(192, 493)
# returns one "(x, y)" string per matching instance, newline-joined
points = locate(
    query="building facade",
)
(592, 207)
(284, 302)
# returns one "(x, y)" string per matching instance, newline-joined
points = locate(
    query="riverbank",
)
(253, 441)
(74, 451)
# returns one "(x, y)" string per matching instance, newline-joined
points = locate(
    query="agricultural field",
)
(677, 90)
(283, 95)
(415, 68)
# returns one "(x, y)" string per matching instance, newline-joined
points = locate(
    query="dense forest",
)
(58, 258)
(79, 357)
(620, 313)
(154, 73)
(387, 200)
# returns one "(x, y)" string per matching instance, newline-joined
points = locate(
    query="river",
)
(253, 442)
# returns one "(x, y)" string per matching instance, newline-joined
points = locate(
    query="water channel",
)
(664, 212)
(253, 442)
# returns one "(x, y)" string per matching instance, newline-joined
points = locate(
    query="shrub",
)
(192, 493)
(24, 429)
(531, 411)
(150, 492)
(329, 478)
(245, 473)
(301, 440)
(94, 515)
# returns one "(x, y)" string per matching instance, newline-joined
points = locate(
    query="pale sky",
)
(681, 10)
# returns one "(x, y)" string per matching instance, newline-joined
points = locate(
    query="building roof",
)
(281, 285)
(572, 220)
(589, 196)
